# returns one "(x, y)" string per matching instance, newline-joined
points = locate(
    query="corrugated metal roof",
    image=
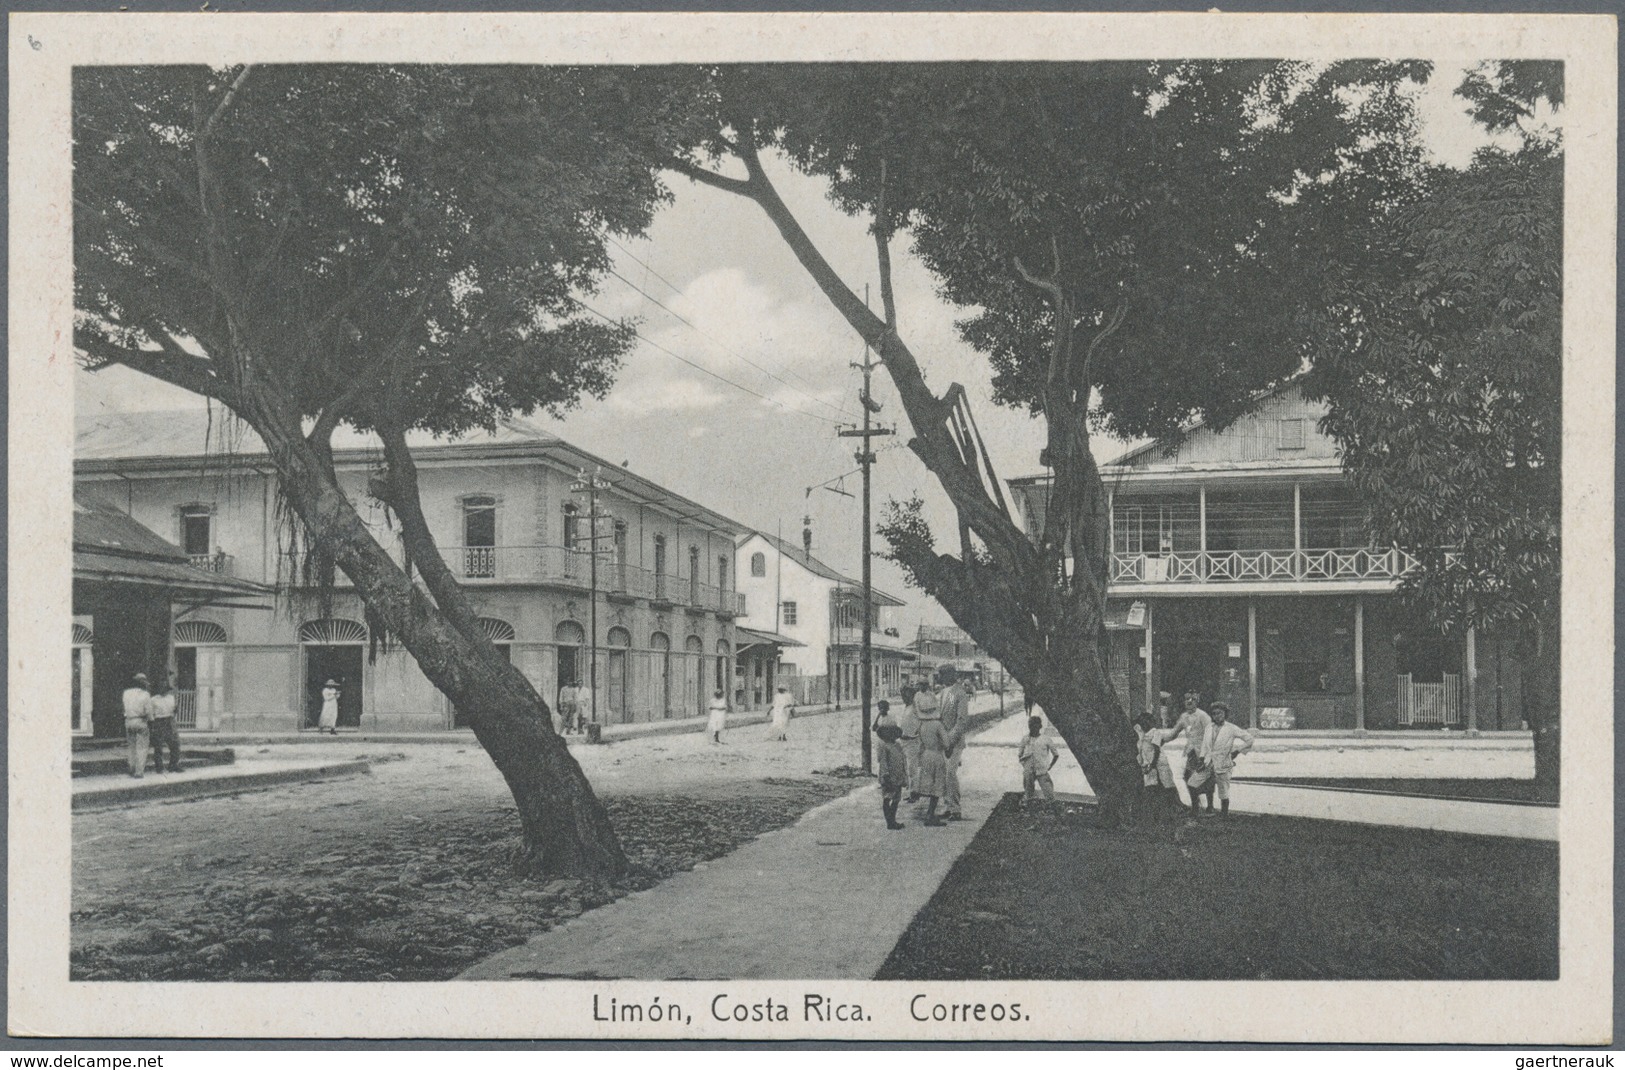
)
(109, 546)
(191, 433)
(100, 527)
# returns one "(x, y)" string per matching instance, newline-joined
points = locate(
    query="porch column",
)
(1201, 516)
(1297, 529)
(1111, 530)
(1252, 660)
(1150, 682)
(1359, 664)
(1472, 679)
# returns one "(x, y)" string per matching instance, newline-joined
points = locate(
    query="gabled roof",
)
(817, 567)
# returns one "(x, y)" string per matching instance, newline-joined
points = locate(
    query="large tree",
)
(1126, 237)
(1456, 313)
(392, 248)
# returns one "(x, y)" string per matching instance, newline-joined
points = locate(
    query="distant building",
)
(793, 594)
(945, 645)
(507, 522)
(1241, 568)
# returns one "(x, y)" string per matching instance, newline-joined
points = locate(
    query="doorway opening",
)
(1191, 665)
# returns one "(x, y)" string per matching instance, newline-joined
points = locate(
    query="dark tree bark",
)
(1009, 593)
(566, 830)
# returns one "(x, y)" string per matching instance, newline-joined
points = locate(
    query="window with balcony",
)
(479, 536)
(1156, 527)
(660, 567)
(787, 612)
(722, 572)
(197, 523)
(758, 564)
(694, 575)
(572, 521)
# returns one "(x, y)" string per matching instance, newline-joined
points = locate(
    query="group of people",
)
(149, 720)
(1212, 742)
(920, 751)
(569, 711)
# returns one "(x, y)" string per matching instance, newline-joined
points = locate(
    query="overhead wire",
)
(702, 331)
(699, 368)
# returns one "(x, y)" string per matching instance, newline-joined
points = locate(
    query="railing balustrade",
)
(221, 563)
(1253, 566)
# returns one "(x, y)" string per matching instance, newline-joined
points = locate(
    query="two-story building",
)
(790, 593)
(643, 590)
(1241, 568)
(944, 645)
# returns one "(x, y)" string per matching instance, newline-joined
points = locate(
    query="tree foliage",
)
(1126, 240)
(394, 248)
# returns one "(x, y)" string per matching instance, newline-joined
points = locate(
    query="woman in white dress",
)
(718, 719)
(783, 709)
(329, 720)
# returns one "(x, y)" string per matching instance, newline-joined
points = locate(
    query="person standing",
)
(891, 768)
(909, 722)
(933, 757)
(1157, 774)
(328, 721)
(954, 704)
(1225, 740)
(137, 708)
(569, 707)
(161, 726)
(1193, 724)
(1037, 755)
(784, 707)
(717, 719)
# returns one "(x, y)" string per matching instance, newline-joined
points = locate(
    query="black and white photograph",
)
(842, 527)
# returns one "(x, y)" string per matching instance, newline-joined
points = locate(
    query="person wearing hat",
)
(137, 708)
(329, 720)
(934, 744)
(161, 726)
(784, 707)
(1225, 740)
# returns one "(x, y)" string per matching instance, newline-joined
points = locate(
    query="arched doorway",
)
(693, 694)
(200, 673)
(724, 675)
(660, 643)
(84, 679)
(332, 649)
(501, 634)
(620, 640)
(569, 636)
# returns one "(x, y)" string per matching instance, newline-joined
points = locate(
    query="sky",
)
(753, 435)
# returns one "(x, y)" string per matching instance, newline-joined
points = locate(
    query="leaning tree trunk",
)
(566, 830)
(1542, 699)
(1008, 593)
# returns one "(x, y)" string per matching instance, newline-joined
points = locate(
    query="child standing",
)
(1038, 756)
(893, 770)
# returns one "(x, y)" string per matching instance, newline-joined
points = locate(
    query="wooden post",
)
(1472, 679)
(1297, 529)
(1359, 664)
(1201, 515)
(1111, 531)
(1252, 660)
(1150, 677)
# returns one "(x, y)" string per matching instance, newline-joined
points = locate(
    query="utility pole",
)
(592, 485)
(866, 458)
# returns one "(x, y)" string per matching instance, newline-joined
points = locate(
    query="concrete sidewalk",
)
(1431, 755)
(827, 897)
(830, 896)
(197, 781)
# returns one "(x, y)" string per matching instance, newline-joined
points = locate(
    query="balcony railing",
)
(1262, 566)
(222, 563)
(563, 567)
(848, 636)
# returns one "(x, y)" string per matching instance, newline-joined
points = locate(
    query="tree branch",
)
(177, 368)
(708, 178)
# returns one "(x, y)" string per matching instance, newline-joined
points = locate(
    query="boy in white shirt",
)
(1224, 741)
(1037, 755)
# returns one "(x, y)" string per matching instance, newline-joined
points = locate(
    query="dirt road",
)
(403, 873)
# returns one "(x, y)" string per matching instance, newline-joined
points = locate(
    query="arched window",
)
(498, 631)
(332, 630)
(198, 632)
(758, 564)
(570, 636)
(82, 636)
(570, 633)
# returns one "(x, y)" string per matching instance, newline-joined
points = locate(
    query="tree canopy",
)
(356, 236)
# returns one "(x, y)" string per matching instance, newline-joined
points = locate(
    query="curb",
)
(224, 785)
